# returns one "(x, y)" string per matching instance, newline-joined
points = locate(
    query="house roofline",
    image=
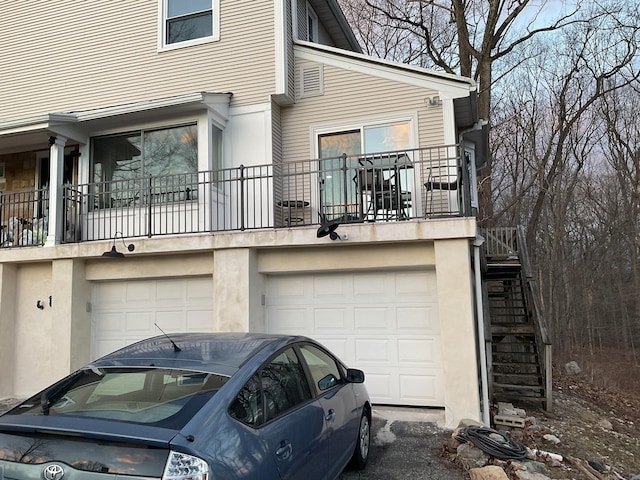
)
(309, 48)
(216, 101)
(344, 26)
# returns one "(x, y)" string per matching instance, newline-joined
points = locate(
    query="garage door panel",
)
(169, 291)
(385, 323)
(200, 289)
(383, 386)
(330, 318)
(111, 323)
(138, 322)
(415, 387)
(422, 352)
(370, 286)
(169, 320)
(140, 292)
(373, 350)
(410, 284)
(371, 319)
(334, 286)
(113, 294)
(419, 319)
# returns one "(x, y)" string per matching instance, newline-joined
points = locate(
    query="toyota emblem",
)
(53, 472)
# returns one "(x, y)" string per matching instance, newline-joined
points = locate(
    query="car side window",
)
(323, 368)
(247, 406)
(284, 384)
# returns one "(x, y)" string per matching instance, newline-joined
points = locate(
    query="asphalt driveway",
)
(405, 444)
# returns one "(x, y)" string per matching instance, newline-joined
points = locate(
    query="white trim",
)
(280, 32)
(216, 101)
(162, 14)
(449, 120)
(449, 86)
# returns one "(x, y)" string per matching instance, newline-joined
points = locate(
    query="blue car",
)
(216, 406)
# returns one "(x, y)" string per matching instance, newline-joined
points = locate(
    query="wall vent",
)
(311, 81)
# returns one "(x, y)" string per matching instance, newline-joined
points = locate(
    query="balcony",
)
(382, 187)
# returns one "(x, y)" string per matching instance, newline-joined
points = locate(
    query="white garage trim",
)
(384, 322)
(126, 311)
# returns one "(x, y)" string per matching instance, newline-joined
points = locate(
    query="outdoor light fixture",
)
(113, 253)
(330, 229)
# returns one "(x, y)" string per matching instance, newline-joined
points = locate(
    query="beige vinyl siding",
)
(355, 98)
(77, 55)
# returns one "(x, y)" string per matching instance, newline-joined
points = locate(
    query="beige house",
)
(265, 175)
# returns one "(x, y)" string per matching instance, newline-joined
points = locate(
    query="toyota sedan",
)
(194, 407)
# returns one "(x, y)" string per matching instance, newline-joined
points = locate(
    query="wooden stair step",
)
(510, 386)
(525, 329)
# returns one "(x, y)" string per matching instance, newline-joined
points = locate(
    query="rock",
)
(551, 438)
(605, 424)
(490, 472)
(471, 456)
(572, 368)
(467, 422)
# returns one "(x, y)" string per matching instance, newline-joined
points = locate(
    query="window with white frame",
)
(377, 144)
(187, 22)
(139, 167)
(312, 24)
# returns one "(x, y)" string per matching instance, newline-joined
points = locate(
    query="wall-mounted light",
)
(114, 253)
(329, 229)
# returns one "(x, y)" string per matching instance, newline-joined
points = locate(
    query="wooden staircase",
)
(518, 349)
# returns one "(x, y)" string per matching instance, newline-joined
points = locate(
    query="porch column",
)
(56, 160)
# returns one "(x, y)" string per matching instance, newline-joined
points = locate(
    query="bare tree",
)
(466, 37)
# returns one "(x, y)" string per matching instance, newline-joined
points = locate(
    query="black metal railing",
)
(23, 218)
(381, 187)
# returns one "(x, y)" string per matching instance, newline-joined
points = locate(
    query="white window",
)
(312, 25)
(188, 22)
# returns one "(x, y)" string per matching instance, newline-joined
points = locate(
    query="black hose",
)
(493, 442)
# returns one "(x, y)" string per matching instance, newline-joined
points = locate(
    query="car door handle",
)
(331, 414)
(285, 450)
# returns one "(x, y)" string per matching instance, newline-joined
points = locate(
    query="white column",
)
(56, 171)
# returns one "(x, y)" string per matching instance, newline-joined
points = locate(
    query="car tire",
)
(361, 453)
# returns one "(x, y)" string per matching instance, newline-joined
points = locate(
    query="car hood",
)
(88, 428)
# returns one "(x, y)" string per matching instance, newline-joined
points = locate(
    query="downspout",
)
(484, 378)
(482, 350)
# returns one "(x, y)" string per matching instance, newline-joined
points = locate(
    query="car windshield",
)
(153, 396)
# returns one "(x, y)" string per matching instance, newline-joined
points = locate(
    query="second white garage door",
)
(385, 323)
(126, 311)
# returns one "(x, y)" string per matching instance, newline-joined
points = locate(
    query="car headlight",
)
(181, 466)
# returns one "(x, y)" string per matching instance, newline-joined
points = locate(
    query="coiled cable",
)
(492, 442)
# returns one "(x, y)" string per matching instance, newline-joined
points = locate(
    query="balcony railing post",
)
(150, 207)
(344, 184)
(242, 205)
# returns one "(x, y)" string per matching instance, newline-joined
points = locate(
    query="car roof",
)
(221, 353)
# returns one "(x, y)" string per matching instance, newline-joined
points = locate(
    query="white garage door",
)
(127, 311)
(385, 323)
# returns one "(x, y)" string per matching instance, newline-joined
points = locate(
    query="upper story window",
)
(188, 22)
(312, 25)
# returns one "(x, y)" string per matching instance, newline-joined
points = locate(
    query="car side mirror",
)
(355, 376)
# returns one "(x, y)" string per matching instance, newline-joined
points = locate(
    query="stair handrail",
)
(500, 242)
(532, 302)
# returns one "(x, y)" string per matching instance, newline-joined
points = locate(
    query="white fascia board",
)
(280, 33)
(32, 124)
(450, 86)
(211, 100)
